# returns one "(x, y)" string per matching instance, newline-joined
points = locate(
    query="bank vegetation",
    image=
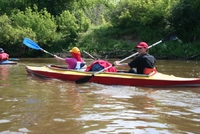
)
(108, 28)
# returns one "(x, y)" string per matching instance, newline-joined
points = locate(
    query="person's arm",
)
(124, 65)
(59, 58)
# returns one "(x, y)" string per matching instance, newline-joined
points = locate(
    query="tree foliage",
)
(142, 17)
(41, 22)
(185, 17)
(96, 24)
(11, 37)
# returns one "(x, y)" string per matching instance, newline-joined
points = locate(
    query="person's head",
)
(76, 53)
(142, 47)
(1, 50)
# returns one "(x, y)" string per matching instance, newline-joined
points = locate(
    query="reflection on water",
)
(180, 68)
(29, 104)
(4, 75)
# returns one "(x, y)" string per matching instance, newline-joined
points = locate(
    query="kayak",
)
(13, 59)
(155, 79)
(7, 62)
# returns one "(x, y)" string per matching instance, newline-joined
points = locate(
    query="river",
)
(32, 105)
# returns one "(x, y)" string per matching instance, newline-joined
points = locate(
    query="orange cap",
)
(75, 50)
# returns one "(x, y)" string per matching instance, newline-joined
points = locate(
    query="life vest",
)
(80, 62)
(4, 56)
(79, 65)
(104, 64)
(149, 70)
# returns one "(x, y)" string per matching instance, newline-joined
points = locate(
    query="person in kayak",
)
(3, 55)
(143, 63)
(75, 62)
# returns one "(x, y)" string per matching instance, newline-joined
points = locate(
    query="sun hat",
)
(142, 45)
(1, 50)
(75, 50)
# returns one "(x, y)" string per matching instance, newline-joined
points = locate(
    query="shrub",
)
(41, 23)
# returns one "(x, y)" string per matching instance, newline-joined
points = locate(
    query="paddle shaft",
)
(47, 52)
(89, 54)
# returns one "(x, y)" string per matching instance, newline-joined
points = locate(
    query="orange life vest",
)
(149, 70)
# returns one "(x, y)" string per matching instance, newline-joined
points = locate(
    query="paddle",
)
(31, 44)
(171, 36)
(89, 55)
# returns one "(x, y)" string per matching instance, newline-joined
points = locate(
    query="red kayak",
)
(154, 79)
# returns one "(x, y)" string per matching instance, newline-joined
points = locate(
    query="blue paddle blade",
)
(31, 44)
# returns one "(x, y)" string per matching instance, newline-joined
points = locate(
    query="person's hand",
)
(55, 56)
(59, 58)
(116, 63)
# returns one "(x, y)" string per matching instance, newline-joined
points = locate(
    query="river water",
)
(31, 105)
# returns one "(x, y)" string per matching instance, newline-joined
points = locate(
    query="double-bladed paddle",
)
(31, 44)
(170, 36)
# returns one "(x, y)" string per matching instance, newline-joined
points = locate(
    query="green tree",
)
(185, 18)
(11, 37)
(41, 23)
(54, 7)
(6, 6)
(141, 17)
(68, 26)
(82, 21)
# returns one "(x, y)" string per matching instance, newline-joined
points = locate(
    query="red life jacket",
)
(4, 56)
(104, 64)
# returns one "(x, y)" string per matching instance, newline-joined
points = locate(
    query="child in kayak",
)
(3, 55)
(75, 62)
